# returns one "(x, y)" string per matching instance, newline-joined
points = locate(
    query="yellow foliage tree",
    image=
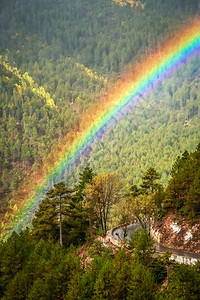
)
(141, 208)
(101, 194)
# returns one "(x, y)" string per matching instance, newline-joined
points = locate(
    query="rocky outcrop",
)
(176, 233)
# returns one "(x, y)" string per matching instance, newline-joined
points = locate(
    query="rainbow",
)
(144, 77)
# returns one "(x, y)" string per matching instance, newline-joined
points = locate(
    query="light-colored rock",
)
(176, 228)
(188, 235)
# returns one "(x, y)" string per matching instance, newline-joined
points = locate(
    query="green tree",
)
(84, 178)
(45, 223)
(157, 267)
(135, 191)
(75, 222)
(59, 193)
(123, 274)
(14, 254)
(105, 282)
(141, 284)
(143, 246)
(182, 192)
(184, 284)
(149, 181)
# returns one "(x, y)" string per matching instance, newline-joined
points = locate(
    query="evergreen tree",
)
(184, 284)
(75, 222)
(45, 223)
(149, 181)
(182, 192)
(141, 285)
(59, 194)
(84, 178)
(14, 255)
(143, 245)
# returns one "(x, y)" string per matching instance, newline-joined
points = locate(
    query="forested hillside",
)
(59, 58)
(161, 127)
(63, 256)
(30, 121)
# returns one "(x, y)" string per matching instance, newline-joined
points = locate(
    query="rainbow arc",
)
(143, 78)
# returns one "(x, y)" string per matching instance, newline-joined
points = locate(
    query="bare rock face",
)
(176, 233)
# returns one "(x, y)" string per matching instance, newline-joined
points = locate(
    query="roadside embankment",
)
(115, 236)
(176, 233)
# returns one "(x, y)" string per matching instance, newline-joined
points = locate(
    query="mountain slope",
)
(161, 127)
(67, 55)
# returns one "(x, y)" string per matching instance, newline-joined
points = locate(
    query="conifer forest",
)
(82, 158)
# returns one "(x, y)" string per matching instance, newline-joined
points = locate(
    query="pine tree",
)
(59, 194)
(45, 223)
(143, 246)
(149, 181)
(84, 178)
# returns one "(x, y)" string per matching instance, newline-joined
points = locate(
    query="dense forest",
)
(63, 257)
(161, 126)
(57, 60)
(44, 270)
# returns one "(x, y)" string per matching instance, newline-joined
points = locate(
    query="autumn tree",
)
(140, 208)
(101, 194)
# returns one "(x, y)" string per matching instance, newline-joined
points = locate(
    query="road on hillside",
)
(118, 235)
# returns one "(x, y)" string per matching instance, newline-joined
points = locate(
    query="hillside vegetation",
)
(33, 265)
(58, 58)
(159, 128)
